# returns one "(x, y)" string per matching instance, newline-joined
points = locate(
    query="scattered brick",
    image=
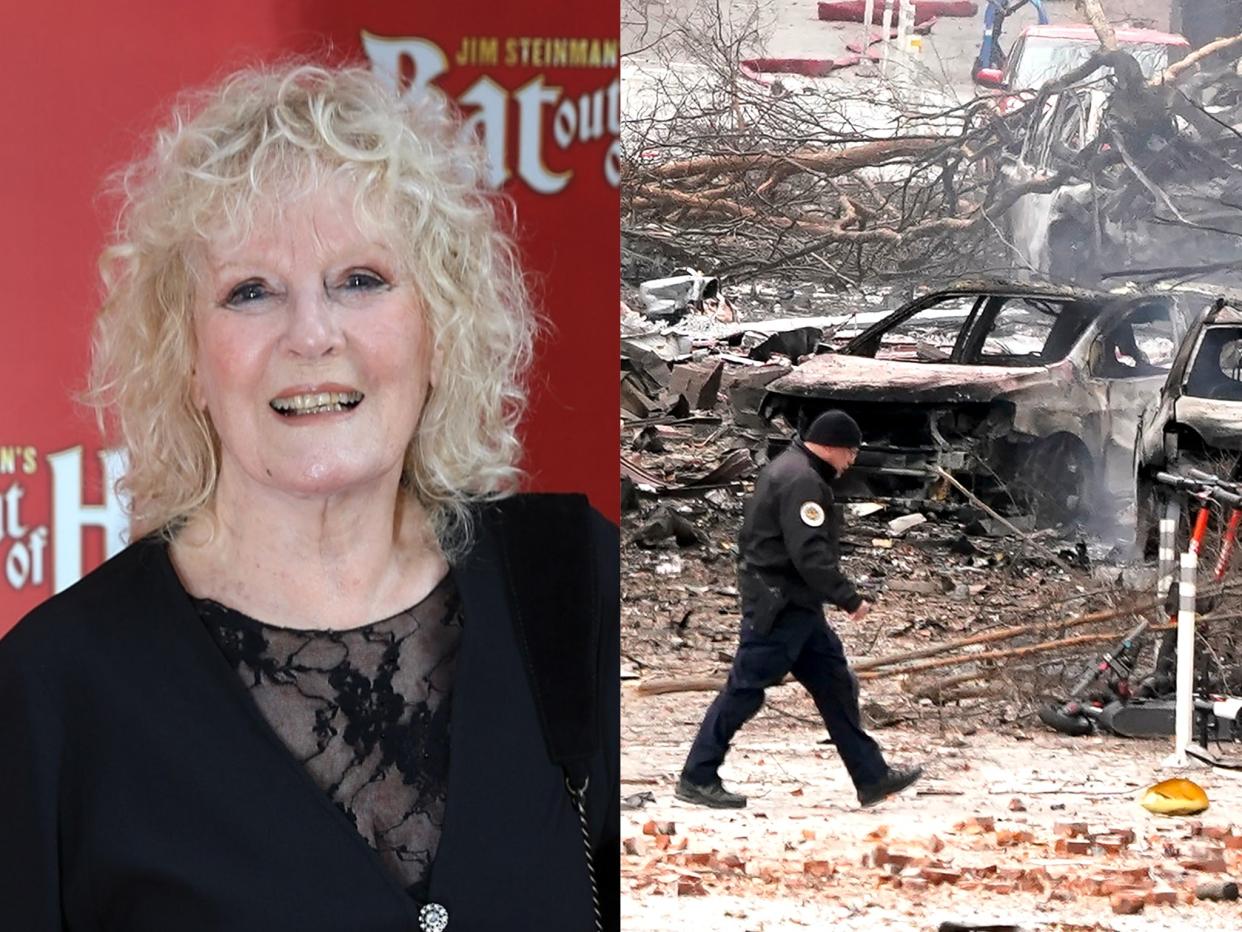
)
(1092, 885)
(690, 886)
(1127, 903)
(808, 834)
(896, 863)
(938, 875)
(700, 858)
(1006, 837)
(1204, 858)
(999, 886)
(1017, 805)
(1233, 842)
(913, 883)
(1034, 880)
(876, 857)
(652, 827)
(1112, 844)
(732, 862)
(1073, 846)
(1162, 895)
(633, 846)
(935, 844)
(1217, 832)
(1069, 829)
(1123, 885)
(879, 832)
(1126, 835)
(764, 870)
(818, 868)
(979, 825)
(662, 842)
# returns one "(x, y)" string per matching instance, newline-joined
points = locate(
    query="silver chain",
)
(579, 798)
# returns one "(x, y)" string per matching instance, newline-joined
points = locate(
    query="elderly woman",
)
(344, 678)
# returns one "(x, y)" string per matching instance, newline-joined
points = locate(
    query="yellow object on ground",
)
(1175, 797)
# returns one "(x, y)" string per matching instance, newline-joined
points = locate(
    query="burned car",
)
(1197, 422)
(1029, 395)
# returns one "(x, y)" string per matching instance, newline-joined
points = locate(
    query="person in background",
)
(788, 568)
(345, 677)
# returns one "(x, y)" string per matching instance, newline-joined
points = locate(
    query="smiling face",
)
(313, 356)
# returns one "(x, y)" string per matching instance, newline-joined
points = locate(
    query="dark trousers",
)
(801, 643)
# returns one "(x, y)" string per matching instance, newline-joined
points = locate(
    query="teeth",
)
(316, 402)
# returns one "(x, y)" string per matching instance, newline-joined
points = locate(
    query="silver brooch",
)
(433, 918)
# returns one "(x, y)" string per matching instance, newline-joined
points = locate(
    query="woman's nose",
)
(313, 330)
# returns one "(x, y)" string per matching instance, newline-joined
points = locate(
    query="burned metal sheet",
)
(854, 378)
(1219, 423)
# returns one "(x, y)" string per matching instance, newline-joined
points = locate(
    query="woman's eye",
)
(364, 281)
(246, 292)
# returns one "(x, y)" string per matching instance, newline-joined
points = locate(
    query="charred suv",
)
(1029, 395)
(1197, 422)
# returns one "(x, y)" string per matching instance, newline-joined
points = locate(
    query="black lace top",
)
(366, 710)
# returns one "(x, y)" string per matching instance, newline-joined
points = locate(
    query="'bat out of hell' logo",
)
(573, 120)
(31, 550)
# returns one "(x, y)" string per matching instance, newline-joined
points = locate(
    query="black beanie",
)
(834, 429)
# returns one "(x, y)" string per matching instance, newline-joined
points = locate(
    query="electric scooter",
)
(1104, 697)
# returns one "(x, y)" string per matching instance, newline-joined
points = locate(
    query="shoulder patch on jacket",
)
(812, 514)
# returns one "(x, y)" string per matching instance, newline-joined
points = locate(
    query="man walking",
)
(788, 568)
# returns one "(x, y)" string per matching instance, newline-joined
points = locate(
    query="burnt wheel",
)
(1149, 508)
(1055, 716)
(1056, 475)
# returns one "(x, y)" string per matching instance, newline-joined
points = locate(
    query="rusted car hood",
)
(859, 378)
(1219, 423)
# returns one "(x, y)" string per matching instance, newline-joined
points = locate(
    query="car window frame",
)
(972, 348)
(877, 330)
(1104, 325)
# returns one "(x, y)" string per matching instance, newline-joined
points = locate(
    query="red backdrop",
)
(86, 84)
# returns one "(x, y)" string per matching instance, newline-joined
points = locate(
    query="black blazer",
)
(141, 788)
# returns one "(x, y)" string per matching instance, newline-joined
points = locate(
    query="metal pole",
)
(1185, 703)
(885, 29)
(903, 19)
(1168, 557)
(868, 15)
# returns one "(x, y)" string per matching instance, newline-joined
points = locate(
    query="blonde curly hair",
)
(268, 133)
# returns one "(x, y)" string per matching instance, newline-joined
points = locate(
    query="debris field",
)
(977, 616)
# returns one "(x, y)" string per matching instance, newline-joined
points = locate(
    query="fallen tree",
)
(853, 186)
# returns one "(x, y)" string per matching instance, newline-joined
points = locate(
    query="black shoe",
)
(713, 795)
(896, 780)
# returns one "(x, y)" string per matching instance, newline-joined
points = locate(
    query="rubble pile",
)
(1170, 865)
(692, 442)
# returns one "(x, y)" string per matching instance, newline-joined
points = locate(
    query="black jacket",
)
(142, 789)
(792, 530)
